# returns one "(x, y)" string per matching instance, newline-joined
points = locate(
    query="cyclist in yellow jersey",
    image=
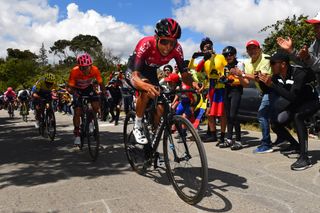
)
(42, 90)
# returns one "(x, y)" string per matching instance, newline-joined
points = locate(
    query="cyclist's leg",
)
(95, 106)
(36, 104)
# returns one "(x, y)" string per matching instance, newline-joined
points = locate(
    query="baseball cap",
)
(253, 42)
(173, 77)
(315, 20)
(279, 56)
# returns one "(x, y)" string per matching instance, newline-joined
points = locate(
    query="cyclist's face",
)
(316, 28)
(85, 69)
(166, 45)
(254, 52)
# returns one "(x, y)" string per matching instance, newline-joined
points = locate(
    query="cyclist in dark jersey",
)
(150, 53)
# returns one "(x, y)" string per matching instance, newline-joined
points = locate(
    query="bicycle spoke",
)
(186, 163)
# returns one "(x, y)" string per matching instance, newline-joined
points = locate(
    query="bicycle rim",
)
(24, 113)
(41, 126)
(10, 110)
(92, 132)
(51, 125)
(135, 152)
(185, 160)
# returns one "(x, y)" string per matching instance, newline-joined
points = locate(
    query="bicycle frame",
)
(167, 116)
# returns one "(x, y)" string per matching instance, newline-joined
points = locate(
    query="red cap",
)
(173, 77)
(315, 20)
(253, 42)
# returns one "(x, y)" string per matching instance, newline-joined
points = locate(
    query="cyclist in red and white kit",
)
(150, 53)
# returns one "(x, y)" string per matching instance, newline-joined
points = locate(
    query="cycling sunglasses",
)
(84, 68)
(165, 41)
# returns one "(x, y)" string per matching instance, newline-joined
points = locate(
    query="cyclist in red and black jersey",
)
(150, 53)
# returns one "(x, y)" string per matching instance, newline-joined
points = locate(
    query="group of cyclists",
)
(217, 79)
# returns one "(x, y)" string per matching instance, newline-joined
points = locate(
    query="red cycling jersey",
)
(147, 56)
(9, 94)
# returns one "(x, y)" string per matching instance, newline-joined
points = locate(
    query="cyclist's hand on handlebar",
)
(35, 95)
(152, 90)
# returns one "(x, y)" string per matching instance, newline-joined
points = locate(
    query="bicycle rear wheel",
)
(185, 160)
(92, 134)
(51, 124)
(24, 112)
(136, 153)
(10, 110)
(41, 125)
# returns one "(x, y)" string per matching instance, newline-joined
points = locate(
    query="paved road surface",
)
(41, 176)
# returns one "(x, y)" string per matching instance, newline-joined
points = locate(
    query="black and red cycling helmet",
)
(168, 27)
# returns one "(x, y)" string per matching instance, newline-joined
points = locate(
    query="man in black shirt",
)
(298, 100)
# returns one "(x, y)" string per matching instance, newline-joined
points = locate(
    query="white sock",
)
(138, 122)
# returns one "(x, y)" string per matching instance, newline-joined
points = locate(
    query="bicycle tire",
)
(10, 110)
(175, 174)
(24, 112)
(51, 124)
(41, 125)
(135, 152)
(93, 138)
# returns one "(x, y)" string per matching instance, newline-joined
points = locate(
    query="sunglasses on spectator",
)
(228, 54)
(165, 41)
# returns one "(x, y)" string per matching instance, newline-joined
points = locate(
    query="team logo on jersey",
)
(143, 49)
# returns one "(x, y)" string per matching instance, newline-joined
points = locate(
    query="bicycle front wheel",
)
(185, 160)
(24, 112)
(51, 124)
(10, 110)
(92, 134)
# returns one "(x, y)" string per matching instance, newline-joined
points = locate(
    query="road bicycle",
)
(184, 155)
(47, 120)
(89, 128)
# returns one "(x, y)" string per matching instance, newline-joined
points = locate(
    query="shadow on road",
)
(27, 159)
(217, 181)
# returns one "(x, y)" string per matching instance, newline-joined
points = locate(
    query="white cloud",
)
(148, 30)
(26, 24)
(189, 47)
(234, 22)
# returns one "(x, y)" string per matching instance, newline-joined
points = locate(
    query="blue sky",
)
(137, 12)
(119, 24)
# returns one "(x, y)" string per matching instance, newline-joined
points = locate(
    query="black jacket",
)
(296, 89)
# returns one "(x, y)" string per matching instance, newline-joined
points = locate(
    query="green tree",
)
(295, 27)
(18, 54)
(18, 69)
(43, 57)
(60, 49)
(86, 43)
